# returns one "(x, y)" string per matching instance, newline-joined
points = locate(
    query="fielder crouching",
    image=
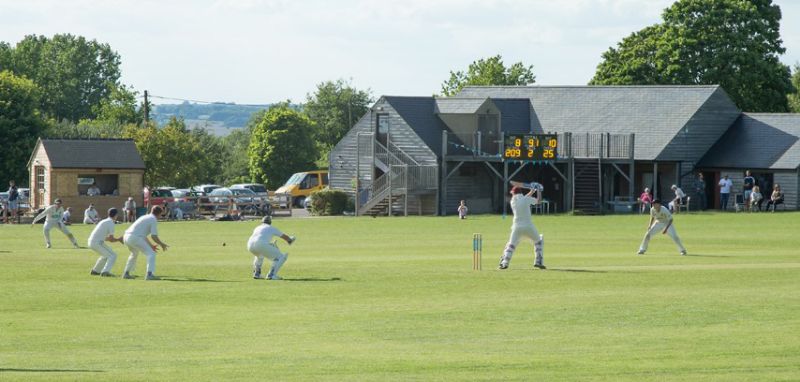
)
(261, 245)
(136, 240)
(660, 220)
(522, 226)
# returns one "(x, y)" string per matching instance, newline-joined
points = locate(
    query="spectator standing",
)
(462, 210)
(725, 185)
(700, 191)
(93, 190)
(749, 183)
(13, 202)
(776, 197)
(645, 199)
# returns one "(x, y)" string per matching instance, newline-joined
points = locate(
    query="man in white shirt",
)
(262, 245)
(674, 205)
(93, 190)
(104, 231)
(523, 227)
(129, 209)
(66, 217)
(136, 240)
(725, 185)
(663, 222)
(53, 215)
(90, 215)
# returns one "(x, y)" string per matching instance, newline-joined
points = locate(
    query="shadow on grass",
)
(574, 270)
(194, 280)
(313, 279)
(702, 255)
(9, 370)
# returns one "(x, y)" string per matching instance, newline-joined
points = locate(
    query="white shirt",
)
(89, 216)
(52, 213)
(679, 193)
(93, 191)
(66, 216)
(129, 205)
(725, 185)
(102, 230)
(756, 196)
(145, 225)
(662, 215)
(521, 206)
(265, 233)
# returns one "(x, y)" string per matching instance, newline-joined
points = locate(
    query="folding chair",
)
(738, 203)
(685, 204)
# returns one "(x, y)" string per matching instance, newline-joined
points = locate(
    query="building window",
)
(107, 183)
(382, 133)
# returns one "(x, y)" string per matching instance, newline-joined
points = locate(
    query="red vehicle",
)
(158, 196)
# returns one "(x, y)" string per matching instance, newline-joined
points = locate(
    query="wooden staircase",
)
(587, 199)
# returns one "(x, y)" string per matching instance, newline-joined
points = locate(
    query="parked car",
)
(259, 189)
(159, 196)
(246, 200)
(206, 188)
(186, 200)
(302, 184)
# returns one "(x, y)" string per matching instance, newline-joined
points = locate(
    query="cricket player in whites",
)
(522, 226)
(53, 215)
(104, 231)
(136, 240)
(662, 218)
(261, 245)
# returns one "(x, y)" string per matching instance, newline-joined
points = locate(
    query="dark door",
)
(382, 129)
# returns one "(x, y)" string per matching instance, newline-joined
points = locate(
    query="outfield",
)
(396, 299)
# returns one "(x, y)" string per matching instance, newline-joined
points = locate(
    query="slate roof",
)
(758, 141)
(458, 105)
(418, 112)
(655, 113)
(92, 153)
(515, 115)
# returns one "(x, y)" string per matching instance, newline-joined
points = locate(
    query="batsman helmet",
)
(267, 219)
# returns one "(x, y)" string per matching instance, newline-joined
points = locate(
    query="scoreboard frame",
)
(530, 147)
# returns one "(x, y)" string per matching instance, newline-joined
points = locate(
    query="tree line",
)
(68, 87)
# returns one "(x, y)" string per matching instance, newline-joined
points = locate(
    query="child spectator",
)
(462, 210)
(776, 197)
(645, 199)
(756, 198)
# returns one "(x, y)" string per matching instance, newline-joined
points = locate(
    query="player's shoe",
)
(76, 245)
(640, 252)
(106, 274)
(540, 266)
(274, 277)
(127, 275)
(683, 253)
(93, 273)
(151, 276)
(48, 245)
(257, 274)
(502, 266)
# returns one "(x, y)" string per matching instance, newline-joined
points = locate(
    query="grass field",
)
(396, 299)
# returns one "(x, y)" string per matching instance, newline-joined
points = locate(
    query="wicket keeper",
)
(261, 245)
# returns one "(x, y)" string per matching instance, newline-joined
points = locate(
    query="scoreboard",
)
(531, 147)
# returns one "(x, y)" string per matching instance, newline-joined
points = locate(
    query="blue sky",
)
(262, 51)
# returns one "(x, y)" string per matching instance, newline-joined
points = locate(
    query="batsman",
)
(523, 227)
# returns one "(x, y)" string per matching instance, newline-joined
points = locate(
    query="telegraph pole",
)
(146, 109)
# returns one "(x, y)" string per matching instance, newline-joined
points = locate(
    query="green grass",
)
(396, 299)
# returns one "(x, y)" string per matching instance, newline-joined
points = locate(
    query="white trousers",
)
(261, 250)
(138, 244)
(657, 228)
(48, 225)
(524, 232)
(107, 257)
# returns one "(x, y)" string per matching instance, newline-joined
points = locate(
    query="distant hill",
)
(219, 118)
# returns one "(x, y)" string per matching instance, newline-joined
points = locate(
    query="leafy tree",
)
(74, 74)
(282, 143)
(733, 43)
(173, 155)
(794, 98)
(21, 123)
(235, 168)
(84, 129)
(334, 107)
(119, 106)
(489, 71)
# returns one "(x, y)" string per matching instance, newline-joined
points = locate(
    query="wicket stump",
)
(477, 251)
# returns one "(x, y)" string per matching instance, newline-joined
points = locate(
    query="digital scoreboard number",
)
(531, 147)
